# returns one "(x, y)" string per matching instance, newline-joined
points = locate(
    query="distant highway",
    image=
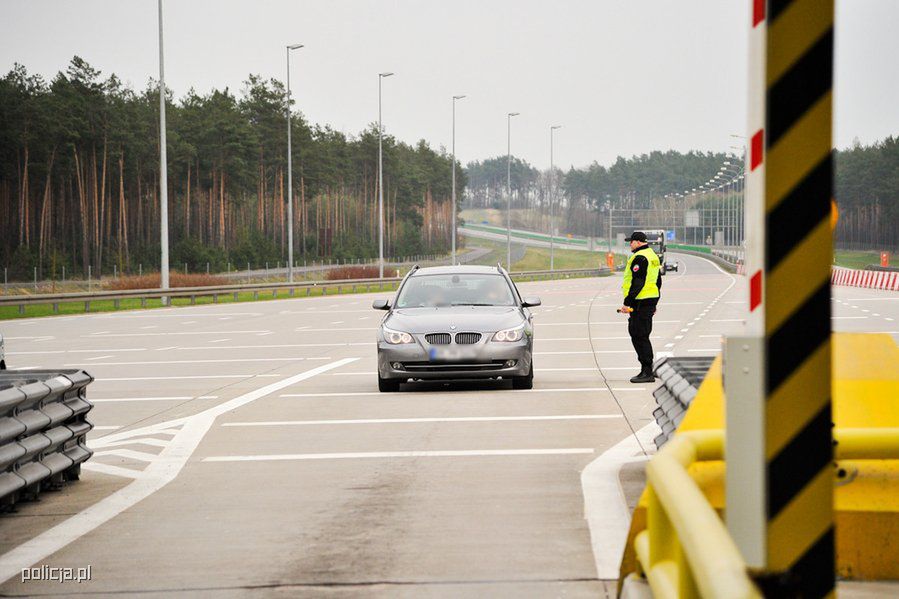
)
(246, 447)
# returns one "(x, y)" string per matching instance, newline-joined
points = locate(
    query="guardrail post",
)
(235, 296)
(778, 378)
(21, 308)
(143, 302)
(87, 306)
(274, 293)
(115, 304)
(255, 295)
(193, 300)
(215, 298)
(55, 308)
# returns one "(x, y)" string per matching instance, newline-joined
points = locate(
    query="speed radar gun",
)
(625, 310)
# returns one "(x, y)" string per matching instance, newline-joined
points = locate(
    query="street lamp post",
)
(552, 197)
(163, 176)
(380, 182)
(289, 174)
(454, 177)
(509, 189)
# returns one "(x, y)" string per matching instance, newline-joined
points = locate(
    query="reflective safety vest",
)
(650, 287)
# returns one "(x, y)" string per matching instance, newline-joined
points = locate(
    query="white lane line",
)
(194, 376)
(678, 336)
(398, 454)
(219, 340)
(169, 398)
(872, 299)
(706, 349)
(628, 388)
(426, 420)
(145, 440)
(272, 346)
(140, 456)
(107, 334)
(166, 314)
(220, 361)
(167, 348)
(26, 338)
(332, 329)
(849, 317)
(447, 393)
(160, 472)
(73, 351)
(718, 336)
(605, 507)
(111, 470)
(105, 428)
(99, 358)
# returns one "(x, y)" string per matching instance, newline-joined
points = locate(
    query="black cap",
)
(636, 236)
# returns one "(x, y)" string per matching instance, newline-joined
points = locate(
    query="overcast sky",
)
(623, 77)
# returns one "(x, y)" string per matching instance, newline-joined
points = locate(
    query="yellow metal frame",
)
(686, 550)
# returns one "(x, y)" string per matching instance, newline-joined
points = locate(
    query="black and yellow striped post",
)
(785, 526)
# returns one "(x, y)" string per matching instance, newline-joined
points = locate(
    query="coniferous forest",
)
(79, 179)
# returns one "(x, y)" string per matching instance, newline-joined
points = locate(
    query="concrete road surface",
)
(245, 450)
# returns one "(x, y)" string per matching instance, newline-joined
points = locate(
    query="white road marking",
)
(169, 398)
(161, 471)
(99, 358)
(849, 317)
(272, 346)
(447, 393)
(605, 507)
(140, 456)
(105, 428)
(219, 340)
(332, 329)
(706, 349)
(425, 420)
(194, 376)
(669, 345)
(678, 336)
(727, 320)
(398, 454)
(112, 470)
(220, 361)
(106, 334)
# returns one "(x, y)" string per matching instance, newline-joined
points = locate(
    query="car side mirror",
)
(381, 304)
(530, 302)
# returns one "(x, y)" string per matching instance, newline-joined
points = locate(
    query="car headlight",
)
(397, 337)
(509, 334)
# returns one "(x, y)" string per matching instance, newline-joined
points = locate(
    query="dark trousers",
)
(639, 326)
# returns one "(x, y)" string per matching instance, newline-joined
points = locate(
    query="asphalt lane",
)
(246, 448)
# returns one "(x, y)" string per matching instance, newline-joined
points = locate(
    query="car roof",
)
(458, 269)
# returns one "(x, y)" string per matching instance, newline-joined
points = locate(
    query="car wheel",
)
(388, 385)
(524, 382)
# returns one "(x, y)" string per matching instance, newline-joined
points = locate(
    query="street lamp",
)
(454, 176)
(381, 77)
(552, 197)
(163, 176)
(289, 174)
(509, 189)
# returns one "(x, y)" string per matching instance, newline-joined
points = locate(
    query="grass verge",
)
(855, 259)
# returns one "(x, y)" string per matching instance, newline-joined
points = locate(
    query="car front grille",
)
(438, 338)
(467, 338)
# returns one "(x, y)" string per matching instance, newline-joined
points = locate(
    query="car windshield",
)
(431, 291)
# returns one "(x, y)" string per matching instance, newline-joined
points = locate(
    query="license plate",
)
(450, 354)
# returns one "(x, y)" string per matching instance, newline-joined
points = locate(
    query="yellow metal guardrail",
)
(686, 550)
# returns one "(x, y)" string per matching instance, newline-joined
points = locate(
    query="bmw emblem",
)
(452, 327)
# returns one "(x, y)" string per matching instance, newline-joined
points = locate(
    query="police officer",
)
(642, 281)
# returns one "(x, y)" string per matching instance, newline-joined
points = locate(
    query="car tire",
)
(388, 385)
(524, 382)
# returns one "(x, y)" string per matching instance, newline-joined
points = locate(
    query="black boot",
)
(645, 376)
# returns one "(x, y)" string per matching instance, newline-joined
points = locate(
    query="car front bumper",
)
(482, 360)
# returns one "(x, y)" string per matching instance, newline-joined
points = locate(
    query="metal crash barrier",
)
(680, 378)
(686, 550)
(43, 431)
